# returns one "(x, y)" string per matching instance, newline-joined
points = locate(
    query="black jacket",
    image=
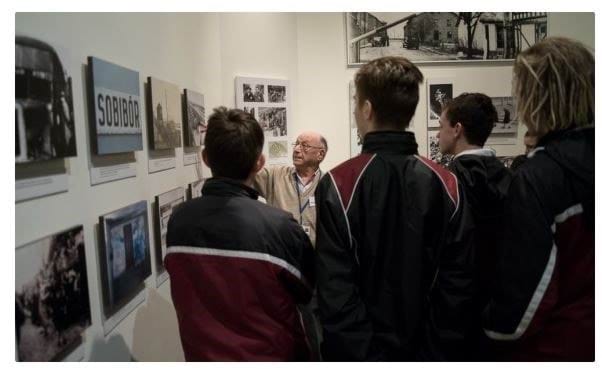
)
(542, 306)
(394, 256)
(238, 270)
(485, 181)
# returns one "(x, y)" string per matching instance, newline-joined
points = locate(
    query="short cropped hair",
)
(391, 85)
(476, 113)
(233, 143)
(554, 85)
(324, 143)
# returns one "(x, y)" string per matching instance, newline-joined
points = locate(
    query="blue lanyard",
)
(304, 206)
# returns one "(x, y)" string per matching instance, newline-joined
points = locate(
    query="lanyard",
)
(304, 206)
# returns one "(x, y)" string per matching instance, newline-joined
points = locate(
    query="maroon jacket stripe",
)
(348, 174)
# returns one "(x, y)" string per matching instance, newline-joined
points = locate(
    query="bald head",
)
(310, 150)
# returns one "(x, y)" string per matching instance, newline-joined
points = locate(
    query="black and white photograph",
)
(442, 37)
(195, 125)
(250, 110)
(195, 189)
(165, 204)
(355, 141)
(115, 109)
(434, 151)
(272, 121)
(44, 123)
(52, 304)
(253, 92)
(276, 94)
(165, 131)
(439, 95)
(507, 117)
(124, 255)
(277, 150)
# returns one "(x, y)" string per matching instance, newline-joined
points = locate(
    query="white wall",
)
(205, 52)
(324, 79)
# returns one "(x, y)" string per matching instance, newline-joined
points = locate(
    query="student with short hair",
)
(238, 267)
(465, 126)
(394, 255)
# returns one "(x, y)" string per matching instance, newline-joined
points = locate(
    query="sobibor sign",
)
(115, 93)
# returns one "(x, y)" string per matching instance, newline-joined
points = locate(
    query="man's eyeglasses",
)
(305, 146)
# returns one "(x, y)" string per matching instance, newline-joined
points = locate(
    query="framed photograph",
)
(195, 189)
(431, 37)
(195, 125)
(114, 105)
(52, 303)
(439, 93)
(165, 130)
(434, 151)
(165, 204)
(44, 123)
(124, 255)
(505, 130)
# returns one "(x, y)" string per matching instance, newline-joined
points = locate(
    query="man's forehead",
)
(308, 136)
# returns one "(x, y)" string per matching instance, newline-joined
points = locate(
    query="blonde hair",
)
(554, 85)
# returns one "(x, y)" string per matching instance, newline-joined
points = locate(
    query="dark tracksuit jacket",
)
(485, 182)
(238, 269)
(542, 305)
(394, 256)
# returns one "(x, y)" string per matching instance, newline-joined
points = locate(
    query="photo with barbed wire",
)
(445, 36)
(272, 121)
(52, 306)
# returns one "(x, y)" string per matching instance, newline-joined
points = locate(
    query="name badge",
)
(312, 201)
(306, 230)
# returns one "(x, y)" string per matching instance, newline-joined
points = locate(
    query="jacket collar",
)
(228, 187)
(392, 142)
(484, 151)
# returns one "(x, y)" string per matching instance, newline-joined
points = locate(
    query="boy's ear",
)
(204, 157)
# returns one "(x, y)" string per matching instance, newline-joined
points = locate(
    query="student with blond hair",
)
(542, 305)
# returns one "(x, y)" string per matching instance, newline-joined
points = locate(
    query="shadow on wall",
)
(156, 335)
(114, 349)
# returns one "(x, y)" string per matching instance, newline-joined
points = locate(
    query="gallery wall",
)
(205, 52)
(179, 48)
(324, 79)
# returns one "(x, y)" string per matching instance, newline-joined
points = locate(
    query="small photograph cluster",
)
(267, 101)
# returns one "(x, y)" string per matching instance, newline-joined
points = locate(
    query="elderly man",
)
(292, 188)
